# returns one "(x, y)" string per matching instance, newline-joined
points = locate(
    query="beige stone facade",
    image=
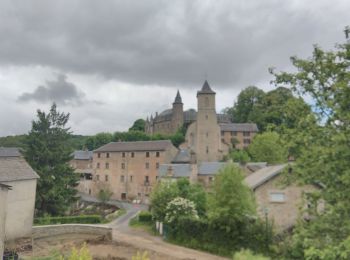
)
(239, 139)
(3, 204)
(130, 169)
(83, 167)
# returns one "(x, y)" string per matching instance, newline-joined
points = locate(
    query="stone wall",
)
(55, 230)
(3, 196)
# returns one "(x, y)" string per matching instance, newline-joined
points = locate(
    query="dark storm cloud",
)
(166, 42)
(60, 91)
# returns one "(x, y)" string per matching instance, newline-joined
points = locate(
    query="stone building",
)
(130, 169)
(3, 205)
(16, 173)
(82, 164)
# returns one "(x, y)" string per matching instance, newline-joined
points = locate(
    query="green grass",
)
(146, 226)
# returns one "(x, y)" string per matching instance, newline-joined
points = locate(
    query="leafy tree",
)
(93, 142)
(246, 100)
(230, 201)
(139, 125)
(48, 153)
(180, 207)
(325, 155)
(240, 156)
(268, 147)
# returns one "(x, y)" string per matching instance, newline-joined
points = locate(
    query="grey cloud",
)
(167, 42)
(60, 91)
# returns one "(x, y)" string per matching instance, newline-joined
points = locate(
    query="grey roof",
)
(9, 152)
(206, 89)
(182, 156)
(178, 170)
(190, 115)
(254, 166)
(263, 175)
(223, 118)
(178, 99)
(15, 169)
(239, 127)
(82, 155)
(210, 168)
(160, 145)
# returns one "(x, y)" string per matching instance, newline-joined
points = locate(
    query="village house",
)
(16, 173)
(3, 204)
(82, 164)
(130, 169)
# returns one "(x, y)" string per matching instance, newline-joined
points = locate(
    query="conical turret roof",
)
(178, 99)
(206, 89)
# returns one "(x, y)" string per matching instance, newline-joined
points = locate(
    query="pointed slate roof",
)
(178, 99)
(206, 89)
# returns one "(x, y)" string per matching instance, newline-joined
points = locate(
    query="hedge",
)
(145, 216)
(82, 219)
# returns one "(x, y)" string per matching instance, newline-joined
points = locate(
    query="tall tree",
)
(325, 157)
(139, 125)
(48, 152)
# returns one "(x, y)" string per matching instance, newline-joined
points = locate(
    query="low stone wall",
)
(55, 230)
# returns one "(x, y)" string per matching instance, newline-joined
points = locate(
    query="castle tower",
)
(207, 128)
(178, 113)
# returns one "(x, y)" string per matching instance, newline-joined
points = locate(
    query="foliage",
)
(145, 216)
(139, 256)
(138, 125)
(166, 191)
(230, 200)
(104, 195)
(48, 153)
(240, 156)
(13, 141)
(82, 219)
(324, 155)
(79, 254)
(248, 255)
(180, 207)
(268, 147)
(96, 141)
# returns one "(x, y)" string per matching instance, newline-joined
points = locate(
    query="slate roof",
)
(178, 99)
(160, 145)
(263, 175)
(82, 155)
(206, 89)
(239, 127)
(15, 168)
(182, 156)
(9, 152)
(178, 170)
(254, 166)
(210, 168)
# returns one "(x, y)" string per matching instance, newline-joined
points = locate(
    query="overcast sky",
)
(111, 62)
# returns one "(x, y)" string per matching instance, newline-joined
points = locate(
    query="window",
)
(132, 154)
(146, 179)
(123, 196)
(107, 165)
(98, 177)
(246, 141)
(122, 178)
(147, 154)
(107, 155)
(123, 166)
(207, 149)
(147, 165)
(246, 133)
(157, 154)
(277, 197)
(130, 178)
(234, 133)
(98, 155)
(98, 165)
(106, 177)
(207, 134)
(157, 165)
(123, 155)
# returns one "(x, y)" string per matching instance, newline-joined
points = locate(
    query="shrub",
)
(82, 219)
(145, 216)
(180, 207)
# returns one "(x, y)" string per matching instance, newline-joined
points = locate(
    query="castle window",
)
(123, 166)
(132, 154)
(107, 165)
(157, 154)
(107, 155)
(147, 165)
(98, 165)
(106, 177)
(207, 149)
(147, 154)
(121, 178)
(157, 165)
(98, 155)
(130, 178)
(246, 133)
(206, 101)
(123, 155)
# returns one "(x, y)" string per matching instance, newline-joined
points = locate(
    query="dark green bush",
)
(145, 216)
(82, 219)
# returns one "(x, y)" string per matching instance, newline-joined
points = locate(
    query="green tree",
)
(96, 141)
(48, 153)
(268, 147)
(139, 125)
(230, 201)
(325, 154)
(240, 156)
